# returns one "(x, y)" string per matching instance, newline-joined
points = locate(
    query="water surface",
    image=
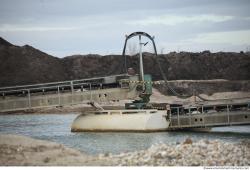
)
(56, 127)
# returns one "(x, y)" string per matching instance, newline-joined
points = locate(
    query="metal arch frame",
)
(158, 63)
(133, 35)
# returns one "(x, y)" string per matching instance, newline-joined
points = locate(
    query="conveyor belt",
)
(224, 115)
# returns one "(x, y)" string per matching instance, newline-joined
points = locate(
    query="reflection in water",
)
(56, 127)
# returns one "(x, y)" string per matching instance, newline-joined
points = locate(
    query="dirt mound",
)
(3, 42)
(86, 66)
(27, 65)
(200, 66)
(209, 87)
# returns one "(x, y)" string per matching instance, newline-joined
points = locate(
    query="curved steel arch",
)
(159, 65)
(132, 35)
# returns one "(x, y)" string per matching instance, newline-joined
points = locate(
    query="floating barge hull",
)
(122, 120)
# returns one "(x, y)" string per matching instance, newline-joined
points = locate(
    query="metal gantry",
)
(64, 93)
(210, 115)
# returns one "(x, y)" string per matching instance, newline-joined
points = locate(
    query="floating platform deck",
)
(210, 116)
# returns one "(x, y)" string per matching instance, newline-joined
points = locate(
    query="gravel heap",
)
(188, 153)
(19, 150)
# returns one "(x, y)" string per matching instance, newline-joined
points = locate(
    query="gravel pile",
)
(188, 153)
(19, 150)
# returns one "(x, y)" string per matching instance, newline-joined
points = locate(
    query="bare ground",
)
(23, 151)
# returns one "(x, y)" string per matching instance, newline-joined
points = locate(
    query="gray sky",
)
(64, 27)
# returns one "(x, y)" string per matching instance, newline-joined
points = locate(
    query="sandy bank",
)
(19, 150)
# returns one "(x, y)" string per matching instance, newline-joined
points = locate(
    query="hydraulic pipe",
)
(141, 61)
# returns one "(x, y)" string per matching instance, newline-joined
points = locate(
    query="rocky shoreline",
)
(188, 153)
(23, 151)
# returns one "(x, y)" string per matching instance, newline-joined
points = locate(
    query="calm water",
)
(56, 127)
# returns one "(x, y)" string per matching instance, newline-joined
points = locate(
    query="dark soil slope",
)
(79, 66)
(27, 65)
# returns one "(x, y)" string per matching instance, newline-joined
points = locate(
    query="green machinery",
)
(145, 89)
(145, 84)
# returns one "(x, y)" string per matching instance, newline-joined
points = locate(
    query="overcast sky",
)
(67, 27)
